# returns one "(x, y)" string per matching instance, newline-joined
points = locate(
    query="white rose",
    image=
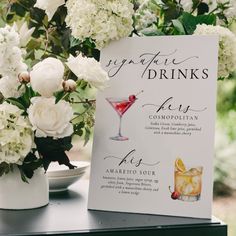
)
(50, 6)
(46, 76)
(50, 119)
(89, 70)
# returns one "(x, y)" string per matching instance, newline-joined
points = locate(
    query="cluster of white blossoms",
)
(16, 135)
(11, 62)
(227, 47)
(100, 20)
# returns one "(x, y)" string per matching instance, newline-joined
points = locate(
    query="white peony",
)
(100, 20)
(24, 32)
(50, 6)
(16, 135)
(50, 119)
(227, 47)
(46, 76)
(89, 70)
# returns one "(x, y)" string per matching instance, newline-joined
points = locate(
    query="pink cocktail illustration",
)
(121, 105)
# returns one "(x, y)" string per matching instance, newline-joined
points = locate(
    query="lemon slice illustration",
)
(179, 165)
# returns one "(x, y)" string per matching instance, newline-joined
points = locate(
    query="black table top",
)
(67, 213)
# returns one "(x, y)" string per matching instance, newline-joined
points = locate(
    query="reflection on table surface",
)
(67, 211)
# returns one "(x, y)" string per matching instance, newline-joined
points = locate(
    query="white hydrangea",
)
(11, 62)
(227, 47)
(16, 135)
(101, 20)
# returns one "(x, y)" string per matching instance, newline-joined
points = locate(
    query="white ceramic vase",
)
(18, 195)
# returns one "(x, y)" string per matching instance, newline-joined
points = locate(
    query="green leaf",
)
(74, 42)
(190, 22)
(61, 95)
(171, 10)
(206, 19)
(196, 3)
(179, 27)
(3, 168)
(65, 39)
(29, 93)
(86, 136)
(78, 128)
(23, 177)
(19, 9)
(202, 8)
(16, 102)
(54, 150)
(78, 132)
(152, 32)
(33, 44)
(50, 145)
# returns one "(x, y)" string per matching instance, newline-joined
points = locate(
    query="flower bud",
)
(24, 77)
(69, 85)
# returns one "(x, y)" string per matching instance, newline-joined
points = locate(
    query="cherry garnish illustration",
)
(133, 97)
(174, 195)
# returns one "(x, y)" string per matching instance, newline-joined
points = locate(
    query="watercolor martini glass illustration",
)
(121, 105)
(188, 182)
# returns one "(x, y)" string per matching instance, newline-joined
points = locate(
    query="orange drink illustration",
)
(188, 183)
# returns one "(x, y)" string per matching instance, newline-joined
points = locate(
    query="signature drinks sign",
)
(154, 131)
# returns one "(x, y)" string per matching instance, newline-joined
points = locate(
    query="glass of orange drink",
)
(188, 183)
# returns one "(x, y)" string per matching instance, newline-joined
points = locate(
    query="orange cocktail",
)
(188, 183)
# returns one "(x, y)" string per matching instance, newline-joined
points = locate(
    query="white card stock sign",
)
(154, 130)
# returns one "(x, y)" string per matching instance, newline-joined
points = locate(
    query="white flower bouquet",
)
(37, 119)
